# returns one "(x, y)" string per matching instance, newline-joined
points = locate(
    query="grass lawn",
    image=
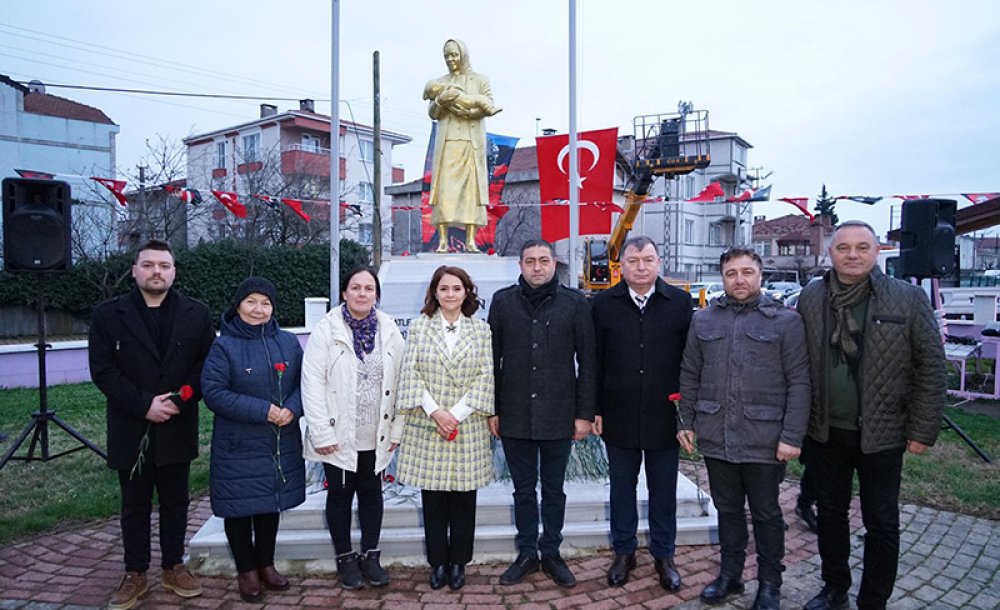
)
(37, 496)
(71, 489)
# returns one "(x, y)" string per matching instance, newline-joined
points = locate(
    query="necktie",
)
(640, 300)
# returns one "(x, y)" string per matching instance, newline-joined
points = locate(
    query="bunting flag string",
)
(859, 199)
(802, 203)
(296, 206)
(232, 203)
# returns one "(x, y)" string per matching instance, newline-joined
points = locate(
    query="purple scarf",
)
(364, 331)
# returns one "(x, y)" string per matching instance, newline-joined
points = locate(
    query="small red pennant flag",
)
(28, 173)
(980, 197)
(708, 194)
(117, 188)
(232, 203)
(802, 203)
(296, 206)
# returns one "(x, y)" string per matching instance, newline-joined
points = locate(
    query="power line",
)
(222, 96)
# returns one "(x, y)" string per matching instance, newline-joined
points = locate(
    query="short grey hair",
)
(639, 242)
(856, 223)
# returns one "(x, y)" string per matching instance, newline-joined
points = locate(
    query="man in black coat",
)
(543, 354)
(641, 326)
(146, 353)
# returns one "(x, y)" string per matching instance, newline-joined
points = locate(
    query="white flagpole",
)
(335, 152)
(574, 165)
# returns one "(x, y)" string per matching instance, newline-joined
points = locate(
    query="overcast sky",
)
(871, 97)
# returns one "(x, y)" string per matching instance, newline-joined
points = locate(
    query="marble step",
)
(304, 542)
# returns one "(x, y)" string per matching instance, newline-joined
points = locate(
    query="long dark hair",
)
(471, 303)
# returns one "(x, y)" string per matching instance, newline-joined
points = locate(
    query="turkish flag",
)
(596, 153)
(232, 203)
(117, 188)
(296, 206)
(802, 203)
(709, 193)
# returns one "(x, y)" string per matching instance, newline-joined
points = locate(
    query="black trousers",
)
(879, 474)
(530, 461)
(449, 526)
(807, 485)
(661, 480)
(342, 486)
(171, 484)
(733, 486)
(252, 540)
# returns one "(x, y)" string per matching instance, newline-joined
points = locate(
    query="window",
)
(310, 142)
(689, 231)
(786, 249)
(367, 148)
(741, 155)
(220, 154)
(343, 145)
(366, 194)
(365, 233)
(715, 235)
(251, 147)
(763, 247)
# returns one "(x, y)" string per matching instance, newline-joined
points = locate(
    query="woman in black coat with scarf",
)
(251, 382)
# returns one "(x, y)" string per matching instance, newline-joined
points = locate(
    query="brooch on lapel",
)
(248, 370)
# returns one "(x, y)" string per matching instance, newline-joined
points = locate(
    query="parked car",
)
(712, 290)
(779, 291)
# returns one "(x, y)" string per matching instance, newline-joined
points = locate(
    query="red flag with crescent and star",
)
(232, 203)
(596, 167)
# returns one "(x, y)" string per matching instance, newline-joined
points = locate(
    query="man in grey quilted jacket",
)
(878, 388)
(745, 397)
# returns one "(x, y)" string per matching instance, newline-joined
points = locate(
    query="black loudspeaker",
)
(36, 225)
(927, 238)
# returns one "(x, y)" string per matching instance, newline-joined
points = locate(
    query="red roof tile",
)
(53, 105)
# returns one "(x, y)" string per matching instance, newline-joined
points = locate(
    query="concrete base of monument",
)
(404, 280)
(304, 545)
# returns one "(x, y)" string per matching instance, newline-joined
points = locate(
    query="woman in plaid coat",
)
(446, 396)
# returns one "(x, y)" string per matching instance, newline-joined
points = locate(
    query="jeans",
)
(879, 474)
(342, 486)
(171, 483)
(530, 461)
(732, 486)
(252, 540)
(449, 526)
(661, 480)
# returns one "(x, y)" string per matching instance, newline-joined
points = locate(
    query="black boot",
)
(350, 573)
(721, 589)
(768, 596)
(439, 576)
(372, 570)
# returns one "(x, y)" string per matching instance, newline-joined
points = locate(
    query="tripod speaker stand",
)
(38, 427)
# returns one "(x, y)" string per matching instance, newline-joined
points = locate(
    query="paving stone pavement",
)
(947, 561)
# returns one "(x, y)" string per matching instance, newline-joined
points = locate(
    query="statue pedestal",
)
(405, 279)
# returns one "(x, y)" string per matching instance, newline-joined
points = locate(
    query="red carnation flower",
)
(186, 393)
(675, 396)
(280, 367)
(453, 435)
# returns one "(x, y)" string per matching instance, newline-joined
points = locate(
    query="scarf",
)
(364, 331)
(535, 296)
(846, 334)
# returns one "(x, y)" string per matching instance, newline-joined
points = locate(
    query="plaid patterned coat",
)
(426, 460)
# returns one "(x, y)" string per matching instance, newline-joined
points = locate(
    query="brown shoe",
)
(273, 579)
(249, 586)
(181, 581)
(130, 589)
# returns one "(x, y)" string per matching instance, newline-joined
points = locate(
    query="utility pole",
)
(377, 178)
(334, 150)
(143, 212)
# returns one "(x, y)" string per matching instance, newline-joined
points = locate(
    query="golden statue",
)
(459, 179)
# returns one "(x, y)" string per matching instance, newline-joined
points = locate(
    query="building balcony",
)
(299, 159)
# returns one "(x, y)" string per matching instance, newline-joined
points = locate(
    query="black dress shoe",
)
(670, 578)
(439, 576)
(828, 598)
(805, 510)
(720, 589)
(768, 597)
(620, 568)
(526, 563)
(456, 579)
(556, 568)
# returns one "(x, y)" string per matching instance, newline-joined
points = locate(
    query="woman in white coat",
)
(349, 374)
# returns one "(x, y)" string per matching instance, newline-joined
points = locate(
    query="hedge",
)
(209, 272)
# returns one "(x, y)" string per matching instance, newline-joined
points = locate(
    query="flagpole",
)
(334, 151)
(574, 170)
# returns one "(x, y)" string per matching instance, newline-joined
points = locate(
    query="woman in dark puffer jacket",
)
(251, 382)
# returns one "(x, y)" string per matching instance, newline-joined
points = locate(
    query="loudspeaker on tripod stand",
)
(36, 225)
(927, 238)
